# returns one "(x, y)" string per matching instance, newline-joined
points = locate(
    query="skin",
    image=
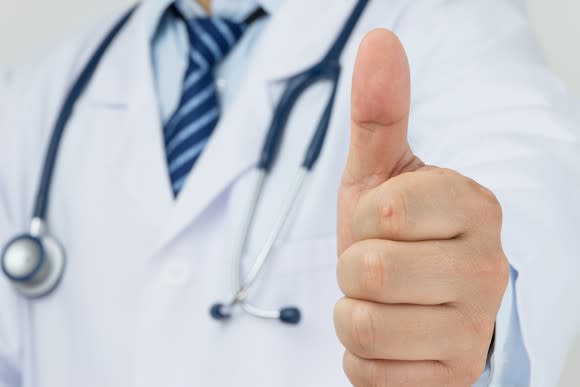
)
(420, 259)
(206, 4)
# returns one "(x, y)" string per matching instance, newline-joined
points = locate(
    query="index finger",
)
(428, 204)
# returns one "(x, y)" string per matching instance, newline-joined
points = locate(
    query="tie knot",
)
(212, 39)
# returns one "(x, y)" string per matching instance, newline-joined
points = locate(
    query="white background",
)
(556, 23)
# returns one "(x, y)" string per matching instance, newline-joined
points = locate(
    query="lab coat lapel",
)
(236, 142)
(125, 82)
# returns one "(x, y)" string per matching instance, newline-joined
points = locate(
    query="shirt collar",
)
(235, 9)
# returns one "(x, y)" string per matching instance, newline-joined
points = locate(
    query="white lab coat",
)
(132, 309)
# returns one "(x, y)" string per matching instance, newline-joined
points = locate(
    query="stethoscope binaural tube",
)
(328, 69)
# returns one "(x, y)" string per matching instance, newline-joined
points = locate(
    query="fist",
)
(420, 259)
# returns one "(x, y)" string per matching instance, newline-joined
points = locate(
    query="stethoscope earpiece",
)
(217, 312)
(34, 265)
(290, 315)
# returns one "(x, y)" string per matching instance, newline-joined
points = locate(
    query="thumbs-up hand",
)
(421, 263)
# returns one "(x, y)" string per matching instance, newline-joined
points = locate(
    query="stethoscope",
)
(34, 262)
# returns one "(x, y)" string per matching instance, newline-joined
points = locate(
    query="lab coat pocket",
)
(303, 255)
(301, 274)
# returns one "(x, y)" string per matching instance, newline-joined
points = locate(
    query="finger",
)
(379, 117)
(392, 373)
(401, 332)
(380, 110)
(431, 204)
(420, 273)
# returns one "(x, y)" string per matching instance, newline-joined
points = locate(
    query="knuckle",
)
(349, 366)
(471, 373)
(502, 270)
(487, 203)
(462, 373)
(447, 172)
(341, 317)
(491, 204)
(363, 373)
(476, 371)
(375, 376)
(473, 333)
(478, 332)
(448, 378)
(362, 329)
(374, 274)
(468, 332)
(395, 214)
(441, 372)
(343, 268)
(493, 269)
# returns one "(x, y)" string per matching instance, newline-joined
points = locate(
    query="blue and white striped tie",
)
(189, 129)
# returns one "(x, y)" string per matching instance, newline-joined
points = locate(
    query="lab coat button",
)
(175, 273)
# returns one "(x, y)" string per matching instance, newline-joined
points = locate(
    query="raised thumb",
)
(380, 111)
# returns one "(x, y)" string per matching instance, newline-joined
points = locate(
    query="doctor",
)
(432, 290)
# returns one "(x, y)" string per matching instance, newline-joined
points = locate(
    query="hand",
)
(421, 263)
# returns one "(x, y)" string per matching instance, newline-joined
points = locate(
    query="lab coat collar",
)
(312, 27)
(124, 85)
(313, 35)
(125, 80)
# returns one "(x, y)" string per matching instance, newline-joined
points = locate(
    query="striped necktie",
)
(188, 130)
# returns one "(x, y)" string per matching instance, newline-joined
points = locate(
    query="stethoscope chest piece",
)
(34, 265)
